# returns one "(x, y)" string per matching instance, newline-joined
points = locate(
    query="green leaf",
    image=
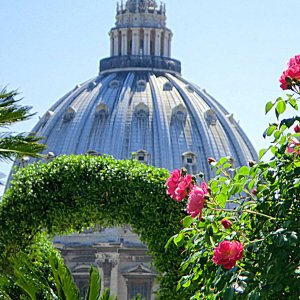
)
(178, 238)
(281, 107)
(187, 221)
(244, 171)
(262, 152)
(269, 106)
(221, 199)
(94, 287)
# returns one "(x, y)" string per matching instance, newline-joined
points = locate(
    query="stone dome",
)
(166, 120)
(139, 104)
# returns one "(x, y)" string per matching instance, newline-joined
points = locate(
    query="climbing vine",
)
(70, 193)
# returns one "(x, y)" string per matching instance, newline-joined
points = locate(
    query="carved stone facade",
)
(124, 264)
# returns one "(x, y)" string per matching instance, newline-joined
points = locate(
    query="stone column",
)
(106, 263)
(157, 51)
(114, 276)
(135, 41)
(147, 39)
(170, 44)
(124, 48)
(116, 42)
(111, 36)
(166, 44)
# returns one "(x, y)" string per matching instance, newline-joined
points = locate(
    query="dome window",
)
(142, 156)
(168, 86)
(92, 85)
(47, 117)
(179, 113)
(69, 114)
(190, 88)
(210, 117)
(142, 111)
(189, 158)
(114, 84)
(101, 111)
(141, 85)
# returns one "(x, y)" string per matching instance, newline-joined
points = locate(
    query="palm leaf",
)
(10, 111)
(106, 296)
(65, 285)
(94, 288)
(19, 146)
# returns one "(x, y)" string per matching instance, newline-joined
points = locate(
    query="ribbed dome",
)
(173, 122)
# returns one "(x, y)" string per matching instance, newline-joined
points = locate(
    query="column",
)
(116, 42)
(147, 38)
(170, 44)
(111, 36)
(157, 51)
(124, 48)
(166, 44)
(135, 41)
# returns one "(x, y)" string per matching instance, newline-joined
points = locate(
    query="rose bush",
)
(253, 250)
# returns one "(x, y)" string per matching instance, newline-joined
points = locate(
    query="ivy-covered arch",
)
(74, 192)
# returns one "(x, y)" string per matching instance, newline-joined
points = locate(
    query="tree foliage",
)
(70, 193)
(12, 145)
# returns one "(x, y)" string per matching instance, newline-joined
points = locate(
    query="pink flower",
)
(196, 201)
(297, 129)
(228, 253)
(291, 147)
(172, 183)
(294, 61)
(291, 74)
(226, 223)
(211, 160)
(254, 192)
(183, 187)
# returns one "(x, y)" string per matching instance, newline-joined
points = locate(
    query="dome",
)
(139, 104)
(175, 122)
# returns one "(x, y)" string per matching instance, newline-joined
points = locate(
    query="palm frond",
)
(106, 296)
(64, 282)
(10, 111)
(94, 287)
(18, 146)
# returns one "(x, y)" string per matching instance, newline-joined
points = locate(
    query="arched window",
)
(69, 114)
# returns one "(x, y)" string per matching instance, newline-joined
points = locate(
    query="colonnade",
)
(140, 41)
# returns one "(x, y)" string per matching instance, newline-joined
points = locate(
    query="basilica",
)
(140, 106)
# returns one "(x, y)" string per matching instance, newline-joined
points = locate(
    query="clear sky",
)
(235, 49)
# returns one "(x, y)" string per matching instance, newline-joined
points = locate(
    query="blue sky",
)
(236, 49)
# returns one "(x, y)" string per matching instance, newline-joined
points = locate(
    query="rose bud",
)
(251, 163)
(254, 192)
(226, 223)
(297, 129)
(211, 160)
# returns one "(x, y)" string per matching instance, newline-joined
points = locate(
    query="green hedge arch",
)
(77, 191)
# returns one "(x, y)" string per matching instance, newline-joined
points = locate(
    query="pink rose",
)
(294, 61)
(228, 253)
(173, 182)
(196, 201)
(291, 147)
(226, 223)
(291, 74)
(297, 129)
(183, 187)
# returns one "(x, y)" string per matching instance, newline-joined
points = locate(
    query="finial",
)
(118, 7)
(136, 6)
(122, 6)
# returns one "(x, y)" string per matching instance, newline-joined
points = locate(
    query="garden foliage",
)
(243, 242)
(70, 193)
